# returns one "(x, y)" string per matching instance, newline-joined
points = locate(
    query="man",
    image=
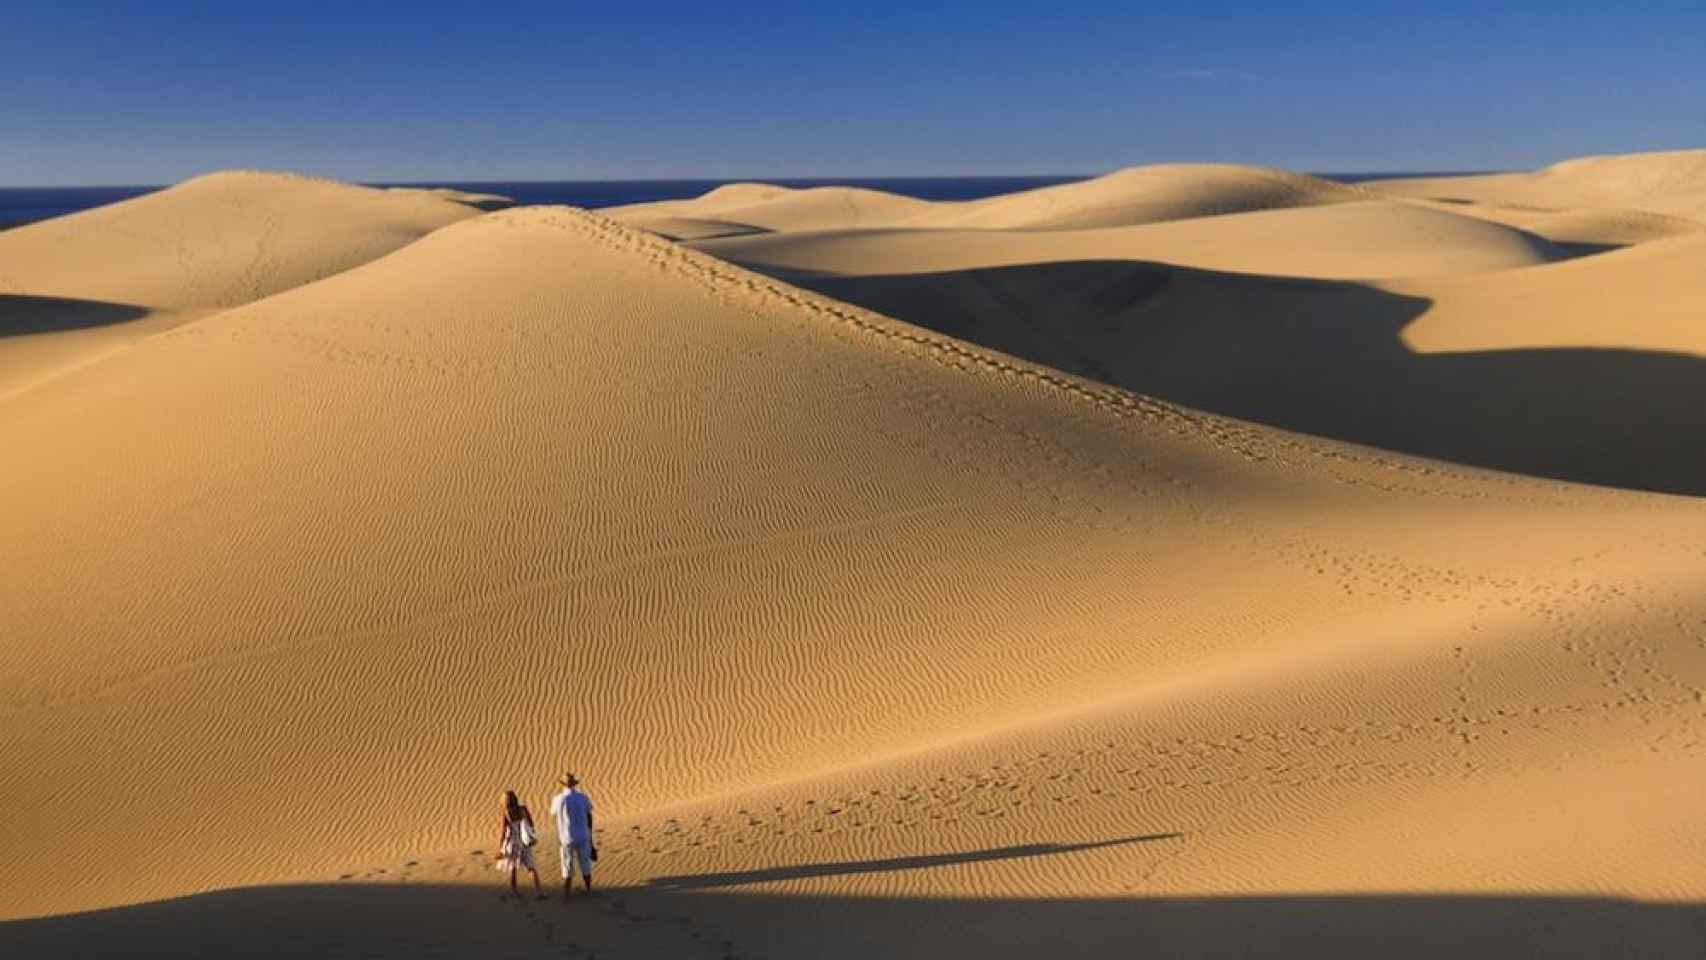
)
(573, 811)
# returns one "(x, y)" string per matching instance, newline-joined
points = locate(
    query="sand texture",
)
(964, 624)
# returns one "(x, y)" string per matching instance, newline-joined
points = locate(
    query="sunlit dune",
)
(77, 288)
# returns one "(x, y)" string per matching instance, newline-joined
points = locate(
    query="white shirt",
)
(571, 822)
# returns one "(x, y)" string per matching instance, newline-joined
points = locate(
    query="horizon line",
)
(817, 178)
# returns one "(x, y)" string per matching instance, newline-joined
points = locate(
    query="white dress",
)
(515, 854)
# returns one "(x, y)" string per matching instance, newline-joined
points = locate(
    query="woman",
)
(515, 843)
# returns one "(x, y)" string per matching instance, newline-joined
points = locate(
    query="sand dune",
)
(1462, 328)
(1452, 366)
(779, 208)
(1358, 239)
(1136, 195)
(867, 639)
(68, 285)
(1669, 183)
(218, 240)
(1143, 195)
(1646, 298)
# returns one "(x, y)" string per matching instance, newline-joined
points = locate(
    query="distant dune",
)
(1194, 310)
(1348, 240)
(779, 208)
(897, 633)
(1671, 183)
(1144, 195)
(219, 240)
(80, 286)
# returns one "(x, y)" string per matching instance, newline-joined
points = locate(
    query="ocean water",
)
(19, 205)
(26, 204)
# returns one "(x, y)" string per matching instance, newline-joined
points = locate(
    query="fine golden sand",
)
(1092, 591)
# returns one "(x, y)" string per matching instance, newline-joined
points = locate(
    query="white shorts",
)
(577, 850)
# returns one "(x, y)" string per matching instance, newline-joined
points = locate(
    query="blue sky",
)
(151, 93)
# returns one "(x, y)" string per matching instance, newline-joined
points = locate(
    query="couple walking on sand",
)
(572, 810)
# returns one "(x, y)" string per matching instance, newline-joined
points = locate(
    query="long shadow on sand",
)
(834, 869)
(362, 920)
(1325, 358)
(23, 313)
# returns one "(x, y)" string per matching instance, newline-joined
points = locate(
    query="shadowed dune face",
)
(383, 921)
(41, 337)
(22, 314)
(1324, 358)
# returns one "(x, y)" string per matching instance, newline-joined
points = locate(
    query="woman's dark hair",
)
(512, 806)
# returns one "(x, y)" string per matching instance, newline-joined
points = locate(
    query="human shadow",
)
(1325, 358)
(25, 313)
(1392, 927)
(453, 920)
(844, 868)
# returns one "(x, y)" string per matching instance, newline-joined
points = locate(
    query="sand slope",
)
(68, 285)
(866, 639)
